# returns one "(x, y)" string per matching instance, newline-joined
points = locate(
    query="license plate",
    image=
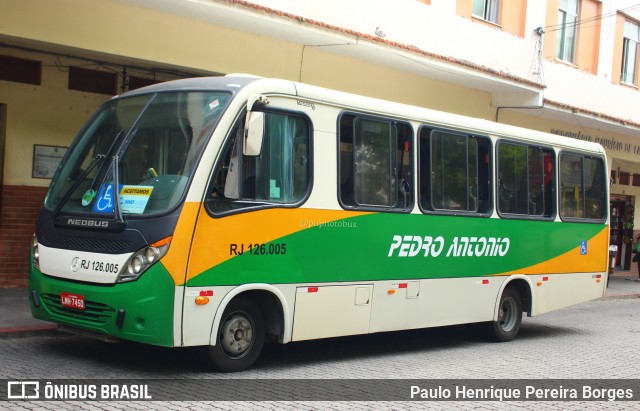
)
(72, 300)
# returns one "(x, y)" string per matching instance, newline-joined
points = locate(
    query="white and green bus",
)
(230, 211)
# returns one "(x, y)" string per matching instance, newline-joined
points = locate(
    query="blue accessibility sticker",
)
(106, 197)
(583, 247)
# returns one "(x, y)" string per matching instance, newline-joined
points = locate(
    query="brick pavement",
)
(592, 340)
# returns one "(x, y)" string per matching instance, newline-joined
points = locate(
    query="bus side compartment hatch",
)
(331, 311)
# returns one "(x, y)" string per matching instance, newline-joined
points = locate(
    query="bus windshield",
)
(155, 140)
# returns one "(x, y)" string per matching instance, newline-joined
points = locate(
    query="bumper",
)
(141, 311)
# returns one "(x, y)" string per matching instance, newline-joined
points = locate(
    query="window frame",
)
(605, 182)
(249, 205)
(421, 164)
(563, 32)
(626, 41)
(554, 178)
(486, 6)
(410, 180)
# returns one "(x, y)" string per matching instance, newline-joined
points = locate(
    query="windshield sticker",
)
(274, 190)
(213, 104)
(133, 199)
(104, 203)
(87, 198)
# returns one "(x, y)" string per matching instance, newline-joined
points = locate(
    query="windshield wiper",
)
(96, 160)
(117, 212)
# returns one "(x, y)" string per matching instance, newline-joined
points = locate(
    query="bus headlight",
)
(140, 261)
(35, 252)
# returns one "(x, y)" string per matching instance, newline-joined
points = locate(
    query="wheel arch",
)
(524, 286)
(271, 302)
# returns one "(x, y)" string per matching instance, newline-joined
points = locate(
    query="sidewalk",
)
(16, 319)
(15, 315)
(622, 284)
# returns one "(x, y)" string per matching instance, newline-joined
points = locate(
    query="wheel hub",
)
(236, 335)
(507, 314)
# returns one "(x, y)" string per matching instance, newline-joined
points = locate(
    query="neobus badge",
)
(82, 222)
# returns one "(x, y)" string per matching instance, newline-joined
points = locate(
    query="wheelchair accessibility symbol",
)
(104, 202)
(583, 247)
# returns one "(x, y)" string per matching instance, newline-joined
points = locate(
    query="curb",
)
(28, 331)
(620, 297)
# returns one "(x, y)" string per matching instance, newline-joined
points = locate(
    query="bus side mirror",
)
(253, 134)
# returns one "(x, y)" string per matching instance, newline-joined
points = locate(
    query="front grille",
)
(85, 244)
(93, 312)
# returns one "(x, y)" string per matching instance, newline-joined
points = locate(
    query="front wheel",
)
(241, 336)
(506, 327)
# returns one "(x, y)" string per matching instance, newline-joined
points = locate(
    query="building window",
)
(567, 28)
(93, 81)
(20, 70)
(375, 163)
(630, 52)
(138, 82)
(624, 178)
(488, 10)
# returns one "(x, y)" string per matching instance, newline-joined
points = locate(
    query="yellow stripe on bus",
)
(175, 261)
(572, 261)
(213, 236)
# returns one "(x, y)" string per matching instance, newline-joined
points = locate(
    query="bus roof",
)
(248, 85)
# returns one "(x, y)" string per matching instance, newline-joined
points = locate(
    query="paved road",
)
(596, 340)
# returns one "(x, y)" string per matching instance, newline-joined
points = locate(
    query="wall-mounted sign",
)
(607, 143)
(46, 160)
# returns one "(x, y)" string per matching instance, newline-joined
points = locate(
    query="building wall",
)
(20, 208)
(513, 15)
(446, 28)
(51, 114)
(616, 66)
(48, 114)
(588, 44)
(125, 32)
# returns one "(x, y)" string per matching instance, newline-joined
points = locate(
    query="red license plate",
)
(72, 300)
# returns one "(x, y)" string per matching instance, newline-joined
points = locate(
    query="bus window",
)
(454, 172)
(279, 175)
(525, 180)
(582, 187)
(375, 163)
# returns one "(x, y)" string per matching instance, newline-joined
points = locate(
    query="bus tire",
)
(506, 327)
(241, 336)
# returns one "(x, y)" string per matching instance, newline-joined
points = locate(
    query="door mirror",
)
(253, 134)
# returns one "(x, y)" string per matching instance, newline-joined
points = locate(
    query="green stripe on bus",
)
(396, 246)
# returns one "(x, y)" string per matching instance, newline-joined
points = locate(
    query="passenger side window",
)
(280, 175)
(582, 187)
(375, 163)
(525, 180)
(454, 172)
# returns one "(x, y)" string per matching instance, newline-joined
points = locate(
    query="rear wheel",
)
(241, 336)
(506, 327)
